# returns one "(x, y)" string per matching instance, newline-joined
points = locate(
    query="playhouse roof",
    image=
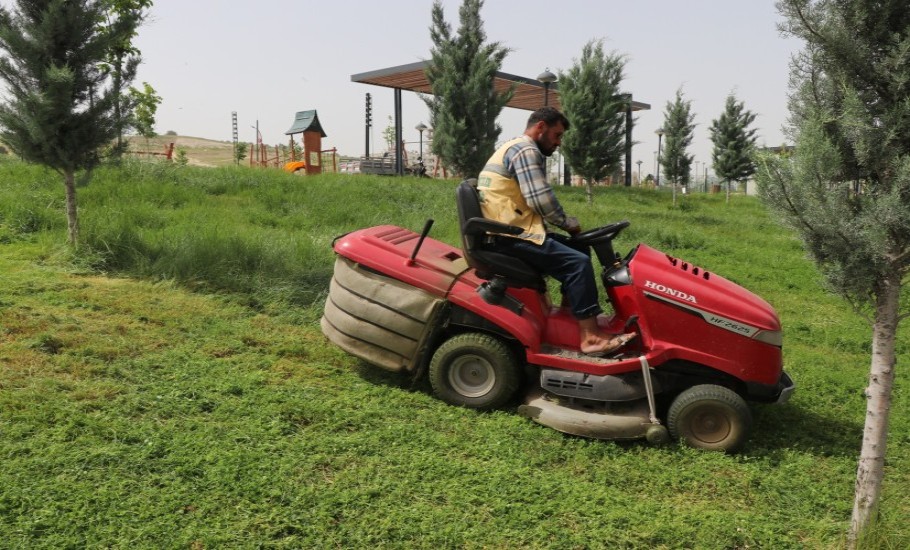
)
(306, 121)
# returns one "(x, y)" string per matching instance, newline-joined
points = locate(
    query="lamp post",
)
(547, 78)
(258, 149)
(660, 135)
(639, 171)
(420, 128)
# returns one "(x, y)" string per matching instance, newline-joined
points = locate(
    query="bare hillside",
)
(199, 151)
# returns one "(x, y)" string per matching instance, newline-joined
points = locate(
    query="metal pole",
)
(628, 140)
(369, 124)
(399, 161)
(235, 136)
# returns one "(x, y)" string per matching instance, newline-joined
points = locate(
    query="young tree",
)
(145, 107)
(464, 104)
(846, 189)
(388, 134)
(60, 107)
(120, 21)
(591, 100)
(734, 143)
(678, 128)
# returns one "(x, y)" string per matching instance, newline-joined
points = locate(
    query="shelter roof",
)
(306, 121)
(529, 93)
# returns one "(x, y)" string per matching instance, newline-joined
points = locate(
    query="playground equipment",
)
(314, 160)
(307, 123)
(168, 153)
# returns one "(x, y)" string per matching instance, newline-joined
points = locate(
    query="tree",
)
(388, 134)
(145, 107)
(590, 96)
(465, 104)
(60, 107)
(678, 128)
(240, 152)
(846, 188)
(120, 21)
(734, 143)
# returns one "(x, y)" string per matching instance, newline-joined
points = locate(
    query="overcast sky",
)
(268, 59)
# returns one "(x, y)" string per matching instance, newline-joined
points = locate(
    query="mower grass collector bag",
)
(376, 318)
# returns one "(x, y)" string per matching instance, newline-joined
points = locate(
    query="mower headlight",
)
(773, 337)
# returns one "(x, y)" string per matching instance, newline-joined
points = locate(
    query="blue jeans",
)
(569, 265)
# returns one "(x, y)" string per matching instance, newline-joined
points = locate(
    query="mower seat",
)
(490, 265)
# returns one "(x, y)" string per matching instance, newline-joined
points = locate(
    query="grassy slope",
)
(141, 413)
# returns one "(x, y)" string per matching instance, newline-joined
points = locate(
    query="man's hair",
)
(550, 115)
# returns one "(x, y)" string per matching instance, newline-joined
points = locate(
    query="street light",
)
(420, 128)
(639, 171)
(547, 78)
(660, 135)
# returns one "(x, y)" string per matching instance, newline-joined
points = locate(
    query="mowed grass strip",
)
(199, 406)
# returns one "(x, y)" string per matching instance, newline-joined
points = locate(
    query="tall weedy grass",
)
(137, 413)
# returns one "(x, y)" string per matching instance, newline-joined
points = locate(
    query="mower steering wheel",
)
(600, 234)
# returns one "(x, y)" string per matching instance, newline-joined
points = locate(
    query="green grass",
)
(167, 386)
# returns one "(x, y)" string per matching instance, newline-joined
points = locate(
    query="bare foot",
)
(607, 345)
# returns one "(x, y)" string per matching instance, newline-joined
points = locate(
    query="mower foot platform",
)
(564, 353)
(628, 420)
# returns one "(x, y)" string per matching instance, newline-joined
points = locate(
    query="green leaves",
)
(465, 104)
(847, 188)
(734, 142)
(678, 126)
(146, 105)
(591, 98)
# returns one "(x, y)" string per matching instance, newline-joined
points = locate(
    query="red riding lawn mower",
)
(483, 325)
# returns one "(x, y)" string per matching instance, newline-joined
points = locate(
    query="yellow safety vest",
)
(501, 198)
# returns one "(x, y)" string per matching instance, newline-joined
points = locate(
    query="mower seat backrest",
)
(474, 236)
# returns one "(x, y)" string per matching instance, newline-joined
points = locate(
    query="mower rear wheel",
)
(474, 370)
(710, 417)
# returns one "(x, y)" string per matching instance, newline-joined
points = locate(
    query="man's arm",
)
(527, 163)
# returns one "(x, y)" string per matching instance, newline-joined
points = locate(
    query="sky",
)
(269, 59)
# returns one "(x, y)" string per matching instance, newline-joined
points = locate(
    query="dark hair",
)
(550, 115)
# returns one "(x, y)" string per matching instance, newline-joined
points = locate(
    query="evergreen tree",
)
(591, 100)
(678, 128)
(465, 104)
(846, 188)
(60, 107)
(734, 143)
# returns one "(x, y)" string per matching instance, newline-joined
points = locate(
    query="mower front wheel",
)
(710, 417)
(474, 370)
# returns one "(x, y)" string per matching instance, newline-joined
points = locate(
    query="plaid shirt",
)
(525, 163)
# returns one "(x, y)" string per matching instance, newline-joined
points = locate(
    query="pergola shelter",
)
(530, 94)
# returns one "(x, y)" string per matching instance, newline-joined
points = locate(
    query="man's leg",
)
(573, 269)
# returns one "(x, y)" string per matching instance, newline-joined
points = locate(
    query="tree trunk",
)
(589, 190)
(875, 433)
(118, 99)
(69, 177)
